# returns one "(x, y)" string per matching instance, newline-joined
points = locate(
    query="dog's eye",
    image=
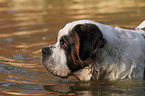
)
(63, 43)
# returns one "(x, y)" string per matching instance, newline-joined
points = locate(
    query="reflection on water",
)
(101, 88)
(26, 26)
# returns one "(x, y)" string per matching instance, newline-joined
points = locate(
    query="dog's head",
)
(75, 48)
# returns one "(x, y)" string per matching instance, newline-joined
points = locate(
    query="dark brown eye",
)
(62, 43)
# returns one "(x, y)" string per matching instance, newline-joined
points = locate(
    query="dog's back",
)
(123, 55)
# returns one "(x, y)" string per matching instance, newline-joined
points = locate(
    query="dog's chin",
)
(60, 74)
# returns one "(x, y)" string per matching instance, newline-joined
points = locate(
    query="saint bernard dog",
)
(89, 50)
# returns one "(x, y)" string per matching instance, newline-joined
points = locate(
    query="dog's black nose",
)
(46, 50)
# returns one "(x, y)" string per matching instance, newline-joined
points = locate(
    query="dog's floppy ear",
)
(90, 39)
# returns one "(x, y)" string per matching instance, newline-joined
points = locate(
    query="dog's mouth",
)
(55, 70)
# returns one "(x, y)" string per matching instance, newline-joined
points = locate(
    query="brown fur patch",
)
(80, 43)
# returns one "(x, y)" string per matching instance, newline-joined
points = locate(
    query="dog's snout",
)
(46, 50)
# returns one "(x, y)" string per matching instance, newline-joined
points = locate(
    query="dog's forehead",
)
(68, 27)
(65, 30)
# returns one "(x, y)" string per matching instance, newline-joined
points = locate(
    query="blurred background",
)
(26, 26)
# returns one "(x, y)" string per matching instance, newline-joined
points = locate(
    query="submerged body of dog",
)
(90, 50)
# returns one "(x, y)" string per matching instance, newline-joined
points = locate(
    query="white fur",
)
(123, 56)
(60, 68)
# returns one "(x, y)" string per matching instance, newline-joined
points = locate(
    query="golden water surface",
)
(26, 26)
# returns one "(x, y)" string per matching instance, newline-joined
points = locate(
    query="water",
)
(26, 26)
